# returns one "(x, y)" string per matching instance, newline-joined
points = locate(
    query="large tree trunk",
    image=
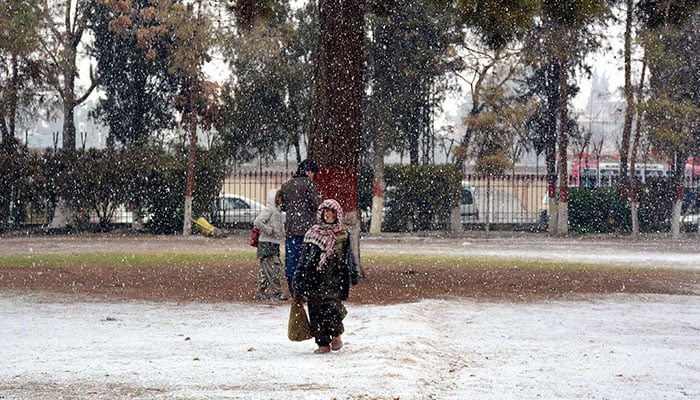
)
(336, 110)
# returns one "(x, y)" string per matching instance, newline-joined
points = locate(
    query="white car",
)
(234, 209)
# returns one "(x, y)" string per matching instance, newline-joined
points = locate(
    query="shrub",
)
(421, 197)
(655, 205)
(598, 210)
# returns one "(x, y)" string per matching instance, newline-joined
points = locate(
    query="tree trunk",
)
(563, 204)
(336, 110)
(633, 160)
(629, 100)
(13, 96)
(677, 185)
(375, 226)
(69, 72)
(553, 96)
(191, 154)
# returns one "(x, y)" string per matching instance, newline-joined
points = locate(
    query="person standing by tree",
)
(300, 200)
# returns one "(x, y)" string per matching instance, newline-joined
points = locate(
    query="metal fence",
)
(499, 200)
(511, 201)
(254, 184)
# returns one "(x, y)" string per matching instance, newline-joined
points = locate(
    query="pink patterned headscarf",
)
(323, 234)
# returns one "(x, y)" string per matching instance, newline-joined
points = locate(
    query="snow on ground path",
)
(605, 347)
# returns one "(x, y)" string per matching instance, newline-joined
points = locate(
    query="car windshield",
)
(233, 203)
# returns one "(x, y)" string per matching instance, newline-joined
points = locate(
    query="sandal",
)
(336, 343)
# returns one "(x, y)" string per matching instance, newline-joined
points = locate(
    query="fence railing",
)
(512, 199)
(254, 184)
(508, 200)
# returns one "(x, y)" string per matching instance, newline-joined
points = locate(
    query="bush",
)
(655, 205)
(421, 197)
(148, 179)
(159, 185)
(598, 210)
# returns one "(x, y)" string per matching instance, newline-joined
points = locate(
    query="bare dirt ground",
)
(236, 281)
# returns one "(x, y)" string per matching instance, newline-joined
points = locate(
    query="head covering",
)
(306, 165)
(323, 234)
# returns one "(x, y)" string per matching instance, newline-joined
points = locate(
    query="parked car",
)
(469, 210)
(690, 208)
(234, 209)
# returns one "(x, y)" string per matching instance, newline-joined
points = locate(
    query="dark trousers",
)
(293, 246)
(326, 321)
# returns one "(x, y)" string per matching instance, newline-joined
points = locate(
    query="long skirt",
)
(326, 321)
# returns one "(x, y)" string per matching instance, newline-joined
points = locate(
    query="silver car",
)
(234, 209)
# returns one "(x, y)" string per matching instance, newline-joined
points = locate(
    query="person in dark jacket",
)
(326, 270)
(300, 201)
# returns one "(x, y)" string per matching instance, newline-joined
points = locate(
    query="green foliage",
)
(575, 14)
(421, 197)
(22, 68)
(499, 22)
(148, 180)
(16, 175)
(602, 211)
(92, 182)
(655, 13)
(408, 54)
(672, 112)
(655, 205)
(598, 210)
(267, 105)
(365, 181)
(139, 92)
(160, 186)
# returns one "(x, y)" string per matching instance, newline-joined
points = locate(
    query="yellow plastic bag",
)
(204, 226)
(298, 328)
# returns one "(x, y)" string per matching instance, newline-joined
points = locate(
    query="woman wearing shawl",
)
(326, 270)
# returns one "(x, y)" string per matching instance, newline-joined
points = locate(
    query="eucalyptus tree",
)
(66, 22)
(22, 70)
(138, 91)
(266, 103)
(672, 111)
(410, 56)
(558, 43)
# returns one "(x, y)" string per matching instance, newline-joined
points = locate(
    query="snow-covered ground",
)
(620, 346)
(609, 347)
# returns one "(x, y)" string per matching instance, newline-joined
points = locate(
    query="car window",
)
(467, 197)
(238, 204)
